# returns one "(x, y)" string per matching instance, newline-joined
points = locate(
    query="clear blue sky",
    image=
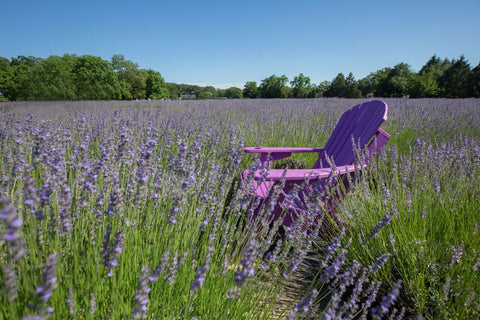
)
(226, 43)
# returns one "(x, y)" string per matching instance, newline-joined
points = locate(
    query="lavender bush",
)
(132, 210)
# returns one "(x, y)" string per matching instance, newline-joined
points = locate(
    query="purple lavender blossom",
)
(142, 295)
(161, 268)
(385, 221)
(201, 272)
(246, 268)
(12, 230)
(49, 284)
(173, 268)
(387, 302)
(379, 262)
(456, 255)
(11, 282)
(304, 305)
(111, 249)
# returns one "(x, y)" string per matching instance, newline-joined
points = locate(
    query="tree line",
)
(437, 78)
(72, 77)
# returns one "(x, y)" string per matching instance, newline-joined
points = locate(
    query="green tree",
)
(22, 76)
(381, 83)
(6, 79)
(321, 88)
(436, 67)
(423, 85)
(95, 79)
(399, 79)
(173, 92)
(51, 79)
(454, 82)
(301, 87)
(474, 82)
(337, 87)
(208, 92)
(155, 86)
(132, 79)
(368, 85)
(188, 90)
(273, 87)
(250, 90)
(351, 89)
(393, 82)
(234, 93)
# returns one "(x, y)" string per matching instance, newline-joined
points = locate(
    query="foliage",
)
(50, 79)
(251, 90)
(7, 83)
(53, 78)
(273, 87)
(77, 78)
(454, 81)
(233, 93)
(173, 92)
(302, 88)
(95, 79)
(474, 82)
(423, 85)
(155, 86)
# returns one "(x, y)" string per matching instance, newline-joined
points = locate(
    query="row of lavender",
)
(125, 210)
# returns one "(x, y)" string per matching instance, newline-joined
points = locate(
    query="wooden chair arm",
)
(277, 153)
(299, 175)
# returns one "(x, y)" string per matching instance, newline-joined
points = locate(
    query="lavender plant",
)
(120, 210)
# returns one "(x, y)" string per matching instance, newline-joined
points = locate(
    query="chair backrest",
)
(361, 122)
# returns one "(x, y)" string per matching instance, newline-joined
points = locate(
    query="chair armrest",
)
(300, 174)
(280, 150)
(277, 153)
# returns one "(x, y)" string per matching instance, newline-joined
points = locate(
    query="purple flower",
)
(172, 219)
(379, 262)
(45, 289)
(111, 249)
(11, 282)
(387, 302)
(202, 271)
(12, 230)
(385, 221)
(304, 305)
(161, 268)
(142, 295)
(246, 268)
(199, 278)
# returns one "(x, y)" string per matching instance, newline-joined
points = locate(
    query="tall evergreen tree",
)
(337, 87)
(351, 89)
(474, 82)
(454, 82)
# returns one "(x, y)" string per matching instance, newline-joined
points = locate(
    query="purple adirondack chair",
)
(357, 129)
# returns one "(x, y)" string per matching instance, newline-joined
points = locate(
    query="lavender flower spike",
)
(142, 295)
(387, 302)
(45, 289)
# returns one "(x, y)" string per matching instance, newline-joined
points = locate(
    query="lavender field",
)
(134, 210)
